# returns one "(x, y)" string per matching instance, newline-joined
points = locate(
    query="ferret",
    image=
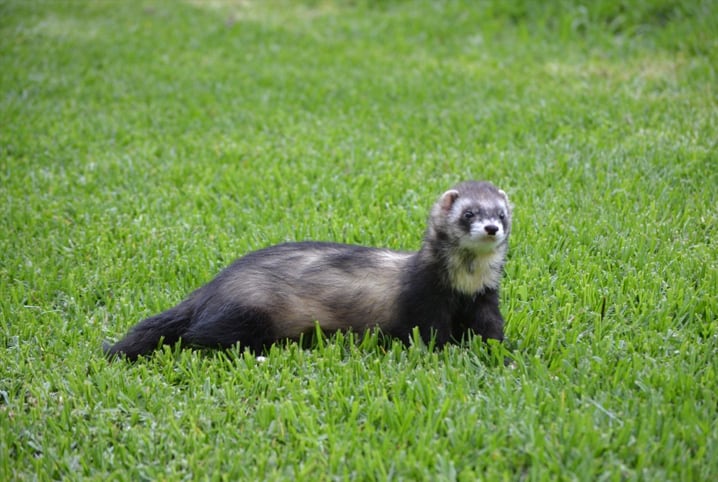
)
(448, 289)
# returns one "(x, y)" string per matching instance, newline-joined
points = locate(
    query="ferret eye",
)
(468, 215)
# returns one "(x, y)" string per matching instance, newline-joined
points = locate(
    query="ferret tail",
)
(143, 338)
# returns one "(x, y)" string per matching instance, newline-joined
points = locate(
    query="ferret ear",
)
(506, 198)
(447, 199)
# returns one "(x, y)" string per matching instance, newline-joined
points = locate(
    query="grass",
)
(144, 145)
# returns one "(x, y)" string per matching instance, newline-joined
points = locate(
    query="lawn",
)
(144, 145)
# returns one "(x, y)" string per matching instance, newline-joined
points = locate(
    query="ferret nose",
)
(491, 229)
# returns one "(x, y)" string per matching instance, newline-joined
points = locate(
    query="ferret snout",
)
(491, 229)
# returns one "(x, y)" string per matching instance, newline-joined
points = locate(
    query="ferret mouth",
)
(482, 241)
(483, 236)
(486, 239)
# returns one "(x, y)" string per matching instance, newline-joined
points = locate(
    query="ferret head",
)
(473, 215)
